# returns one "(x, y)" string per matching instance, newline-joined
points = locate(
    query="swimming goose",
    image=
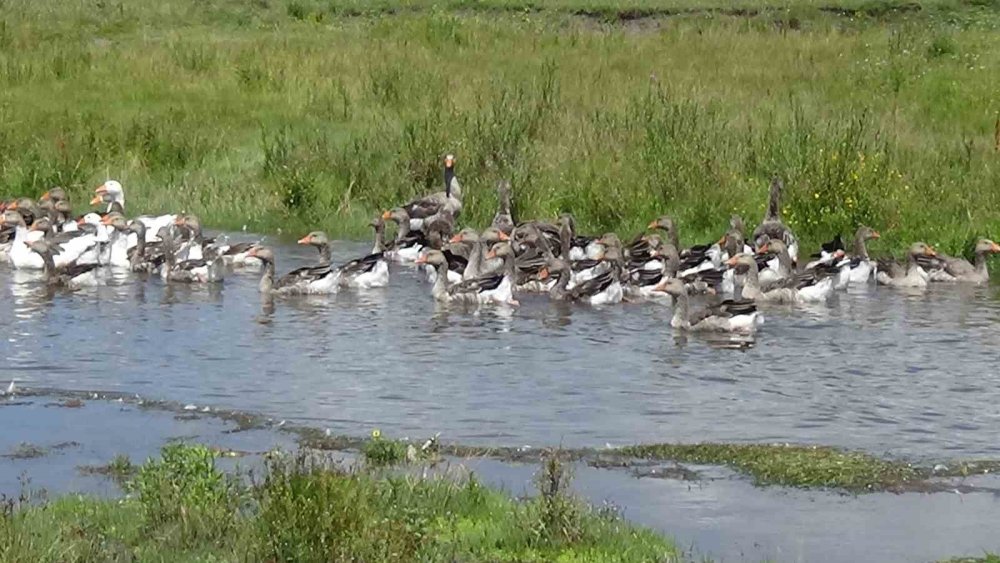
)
(573, 246)
(495, 288)
(144, 258)
(952, 269)
(308, 280)
(449, 201)
(728, 316)
(408, 243)
(112, 193)
(858, 265)
(195, 270)
(772, 226)
(503, 221)
(321, 242)
(805, 287)
(603, 289)
(694, 259)
(64, 221)
(371, 270)
(118, 243)
(894, 274)
(65, 251)
(71, 275)
(775, 274)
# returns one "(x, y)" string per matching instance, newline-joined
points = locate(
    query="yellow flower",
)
(816, 195)
(376, 434)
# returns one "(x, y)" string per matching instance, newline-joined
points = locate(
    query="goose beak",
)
(252, 252)
(13, 205)
(929, 251)
(503, 236)
(763, 249)
(449, 161)
(491, 254)
(45, 197)
(660, 286)
(421, 260)
(80, 221)
(731, 262)
(721, 241)
(995, 248)
(106, 220)
(543, 274)
(179, 221)
(651, 225)
(456, 238)
(96, 200)
(305, 240)
(386, 215)
(876, 235)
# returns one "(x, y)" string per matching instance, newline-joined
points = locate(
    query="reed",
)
(306, 114)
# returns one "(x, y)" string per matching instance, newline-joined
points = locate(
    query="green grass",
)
(789, 465)
(181, 508)
(307, 114)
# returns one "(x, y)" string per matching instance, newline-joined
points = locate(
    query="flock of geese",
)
(728, 278)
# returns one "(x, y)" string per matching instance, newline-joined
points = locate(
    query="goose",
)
(112, 193)
(603, 289)
(572, 246)
(772, 226)
(118, 244)
(408, 245)
(642, 281)
(64, 251)
(64, 221)
(144, 257)
(72, 276)
(894, 274)
(476, 263)
(728, 316)
(448, 201)
(371, 270)
(858, 266)
(194, 270)
(952, 269)
(806, 287)
(695, 259)
(775, 274)
(321, 243)
(503, 221)
(495, 288)
(308, 280)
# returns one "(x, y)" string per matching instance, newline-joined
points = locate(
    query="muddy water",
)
(911, 375)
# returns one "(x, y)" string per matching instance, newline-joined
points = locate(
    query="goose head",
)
(12, 218)
(397, 215)
(116, 220)
(500, 250)
(110, 191)
(54, 195)
(867, 233)
(493, 235)
(263, 253)
(773, 247)
(41, 224)
(671, 286)
(987, 246)
(741, 262)
(466, 235)
(315, 238)
(62, 206)
(664, 223)
(922, 249)
(554, 267)
(432, 258)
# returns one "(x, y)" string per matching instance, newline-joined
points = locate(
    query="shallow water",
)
(907, 374)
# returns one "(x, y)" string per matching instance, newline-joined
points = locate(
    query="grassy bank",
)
(303, 113)
(181, 508)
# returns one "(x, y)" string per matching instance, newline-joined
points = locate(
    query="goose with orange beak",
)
(65, 252)
(944, 268)
(112, 195)
(408, 245)
(728, 316)
(308, 280)
(494, 288)
(908, 275)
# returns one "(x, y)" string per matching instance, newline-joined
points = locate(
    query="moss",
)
(790, 465)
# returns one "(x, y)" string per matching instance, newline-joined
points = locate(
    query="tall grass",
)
(319, 114)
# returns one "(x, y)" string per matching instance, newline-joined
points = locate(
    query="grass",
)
(789, 465)
(181, 508)
(305, 114)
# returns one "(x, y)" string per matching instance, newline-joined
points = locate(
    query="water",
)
(905, 374)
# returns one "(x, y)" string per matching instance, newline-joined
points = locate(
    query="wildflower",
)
(376, 434)
(816, 195)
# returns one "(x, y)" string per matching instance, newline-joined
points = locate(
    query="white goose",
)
(112, 193)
